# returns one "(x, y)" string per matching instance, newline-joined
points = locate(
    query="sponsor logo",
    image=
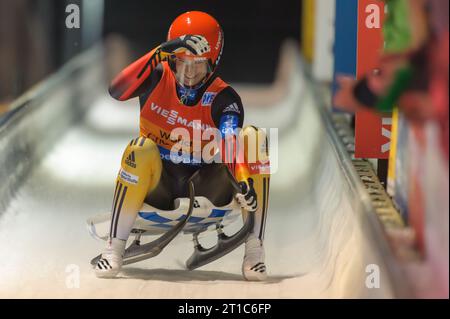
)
(208, 98)
(219, 40)
(128, 177)
(259, 168)
(130, 160)
(174, 119)
(167, 136)
(163, 139)
(232, 108)
(175, 157)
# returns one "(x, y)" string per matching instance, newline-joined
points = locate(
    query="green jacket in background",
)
(397, 39)
(396, 27)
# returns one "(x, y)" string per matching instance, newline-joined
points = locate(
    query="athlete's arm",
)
(228, 115)
(128, 84)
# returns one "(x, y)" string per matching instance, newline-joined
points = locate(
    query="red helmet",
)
(200, 23)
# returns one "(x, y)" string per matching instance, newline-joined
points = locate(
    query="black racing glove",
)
(247, 198)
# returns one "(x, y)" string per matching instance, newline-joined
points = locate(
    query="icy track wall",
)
(39, 118)
(351, 251)
(337, 241)
(341, 239)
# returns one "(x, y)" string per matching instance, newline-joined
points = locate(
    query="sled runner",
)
(193, 215)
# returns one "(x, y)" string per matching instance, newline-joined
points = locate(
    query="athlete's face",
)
(190, 71)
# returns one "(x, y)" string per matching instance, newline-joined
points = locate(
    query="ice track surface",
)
(317, 241)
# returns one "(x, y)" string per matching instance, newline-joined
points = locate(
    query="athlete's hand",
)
(247, 198)
(196, 44)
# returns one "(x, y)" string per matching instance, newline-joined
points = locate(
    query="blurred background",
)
(34, 40)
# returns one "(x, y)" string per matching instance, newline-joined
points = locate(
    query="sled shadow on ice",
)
(181, 275)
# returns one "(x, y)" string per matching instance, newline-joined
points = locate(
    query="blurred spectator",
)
(413, 70)
(402, 37)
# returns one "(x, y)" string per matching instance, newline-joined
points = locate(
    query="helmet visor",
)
(191, 71)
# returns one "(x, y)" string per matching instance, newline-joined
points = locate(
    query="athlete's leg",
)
(139, 174)
(255, 148)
